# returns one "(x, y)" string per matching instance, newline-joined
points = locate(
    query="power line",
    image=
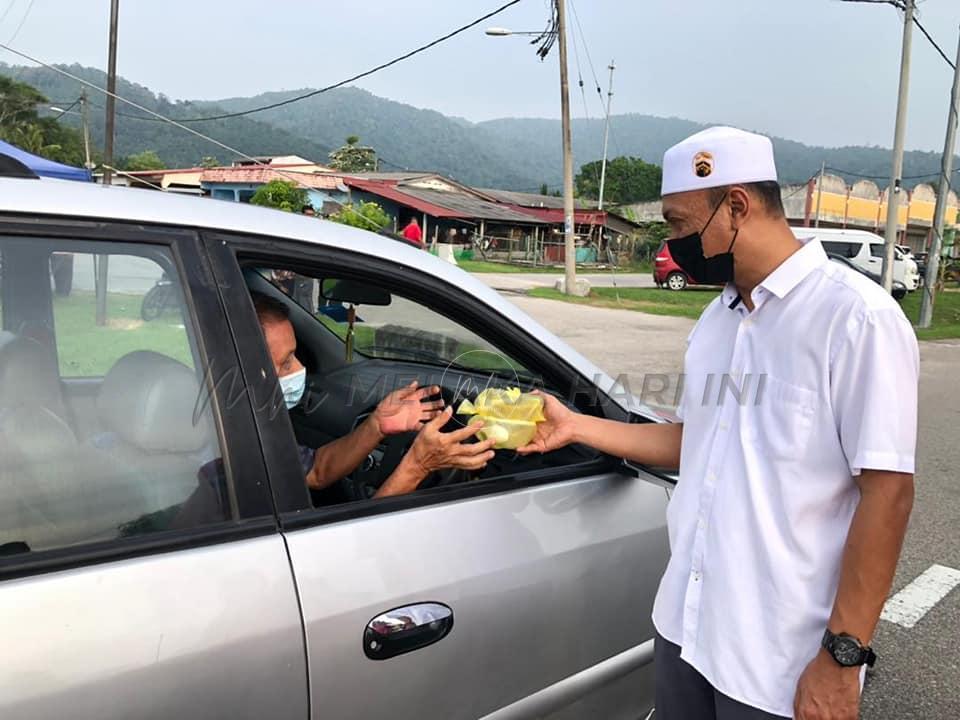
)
(899, 5)
(358, 76)
(884, 177)
(934, 43)
(7, 11)
(290, 176)
(23, 20)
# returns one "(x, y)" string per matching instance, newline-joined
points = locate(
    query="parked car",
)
(160, 555)
(666, 272)
(898, 291)
(865, 250)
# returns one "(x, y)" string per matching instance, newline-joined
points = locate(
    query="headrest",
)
(149, 400)
(28, 375)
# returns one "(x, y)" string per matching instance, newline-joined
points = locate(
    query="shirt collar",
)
(792, 271)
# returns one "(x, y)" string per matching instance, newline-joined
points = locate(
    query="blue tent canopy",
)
(42, 166)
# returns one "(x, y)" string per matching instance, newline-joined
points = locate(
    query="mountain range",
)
(508, 153)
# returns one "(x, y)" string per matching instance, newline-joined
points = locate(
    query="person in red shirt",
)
(412, 231)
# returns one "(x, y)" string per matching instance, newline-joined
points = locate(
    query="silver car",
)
(160, 554)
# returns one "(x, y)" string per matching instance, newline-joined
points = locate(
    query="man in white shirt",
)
(796, 453)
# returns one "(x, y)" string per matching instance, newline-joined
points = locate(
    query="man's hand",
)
(556, 432)
(434, 450)
(827, 691)
(406, 409)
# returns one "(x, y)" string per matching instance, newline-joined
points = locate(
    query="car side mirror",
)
(353, 292)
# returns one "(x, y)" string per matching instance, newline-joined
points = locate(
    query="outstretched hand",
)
(557, 431)
(407, 409)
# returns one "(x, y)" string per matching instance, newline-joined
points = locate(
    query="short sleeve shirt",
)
(782, 407)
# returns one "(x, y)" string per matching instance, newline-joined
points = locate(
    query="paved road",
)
(521, 282)
(918, 675)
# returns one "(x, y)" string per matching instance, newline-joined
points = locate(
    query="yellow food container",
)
(509, 416)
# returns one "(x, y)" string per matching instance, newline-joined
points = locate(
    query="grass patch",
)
(484, 266)
(946, 314)
(88, 350)
(692, 301)
(687, 303)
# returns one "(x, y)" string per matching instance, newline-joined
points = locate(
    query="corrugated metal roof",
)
(318, 181)
(534, 200)
(443, 204)
(468, 206)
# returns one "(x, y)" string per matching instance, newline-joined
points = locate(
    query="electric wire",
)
(290, 176)
(23, 20)
(358, 76)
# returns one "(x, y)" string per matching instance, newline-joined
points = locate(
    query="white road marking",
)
(908, 606)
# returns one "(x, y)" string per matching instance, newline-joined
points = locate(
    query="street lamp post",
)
(570, 248)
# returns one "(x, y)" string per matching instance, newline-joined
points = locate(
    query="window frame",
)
(248, 489)
(230, 251)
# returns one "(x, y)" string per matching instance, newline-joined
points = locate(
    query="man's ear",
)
(741, 205)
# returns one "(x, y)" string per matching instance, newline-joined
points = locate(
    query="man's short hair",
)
(268, 309)
(767, 192)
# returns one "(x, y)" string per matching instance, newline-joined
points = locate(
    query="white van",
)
(865, 250)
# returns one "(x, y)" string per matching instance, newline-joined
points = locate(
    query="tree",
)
(21, 125)
(146, 160)
(369, 216)
(628, 180)
(353, 157)
(544, 189)
(209, 161)
(282, 195)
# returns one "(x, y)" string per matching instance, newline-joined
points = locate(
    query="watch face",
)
(846, 651)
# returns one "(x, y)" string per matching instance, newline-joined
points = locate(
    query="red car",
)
(666, 273)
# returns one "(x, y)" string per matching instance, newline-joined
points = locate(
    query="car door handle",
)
(406, 629)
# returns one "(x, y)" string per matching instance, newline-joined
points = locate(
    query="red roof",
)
(555, 215)
(318, 181)
(389, 191)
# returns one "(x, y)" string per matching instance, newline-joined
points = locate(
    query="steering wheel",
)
(364, 482)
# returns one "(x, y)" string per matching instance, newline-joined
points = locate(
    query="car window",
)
(391, 327)
(139, 309)
(876, 250)
(844, 249)
(105, 427)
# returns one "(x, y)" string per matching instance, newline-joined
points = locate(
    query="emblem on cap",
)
(703, 164)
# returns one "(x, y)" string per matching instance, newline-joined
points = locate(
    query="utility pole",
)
(85, 118)
(569, 242)
(606, 135)
(102, 260)
(823, 169)
(111, 91)
(893, 194)
(946, 169)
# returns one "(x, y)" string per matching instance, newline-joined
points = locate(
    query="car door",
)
(528, 594)
(142, 574)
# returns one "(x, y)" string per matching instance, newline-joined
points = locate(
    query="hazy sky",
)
(818, 71)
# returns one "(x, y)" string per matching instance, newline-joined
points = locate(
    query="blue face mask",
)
(293, 386)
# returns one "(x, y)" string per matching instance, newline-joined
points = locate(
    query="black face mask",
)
(687, 252)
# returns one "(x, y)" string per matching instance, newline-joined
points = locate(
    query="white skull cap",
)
(717, 157)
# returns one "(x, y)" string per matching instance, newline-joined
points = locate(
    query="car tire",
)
(899, 292)
(676, 281)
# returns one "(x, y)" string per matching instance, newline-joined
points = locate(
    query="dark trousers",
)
(684, 694)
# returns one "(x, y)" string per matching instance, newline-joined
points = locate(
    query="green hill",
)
(510, 153)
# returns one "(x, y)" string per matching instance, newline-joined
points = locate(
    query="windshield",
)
(403, 330)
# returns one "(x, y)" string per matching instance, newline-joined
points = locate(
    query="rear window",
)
(843, 249)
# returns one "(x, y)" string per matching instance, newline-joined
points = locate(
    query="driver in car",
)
(408, 409)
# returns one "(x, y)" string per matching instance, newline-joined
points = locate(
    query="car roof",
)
(837, 233)
(63, 198)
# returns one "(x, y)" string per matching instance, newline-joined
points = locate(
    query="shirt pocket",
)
(778, 421)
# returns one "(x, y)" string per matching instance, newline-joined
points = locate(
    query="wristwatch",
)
(847, 650)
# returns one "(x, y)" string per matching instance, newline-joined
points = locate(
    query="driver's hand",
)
(407, 409)
(435, 450)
